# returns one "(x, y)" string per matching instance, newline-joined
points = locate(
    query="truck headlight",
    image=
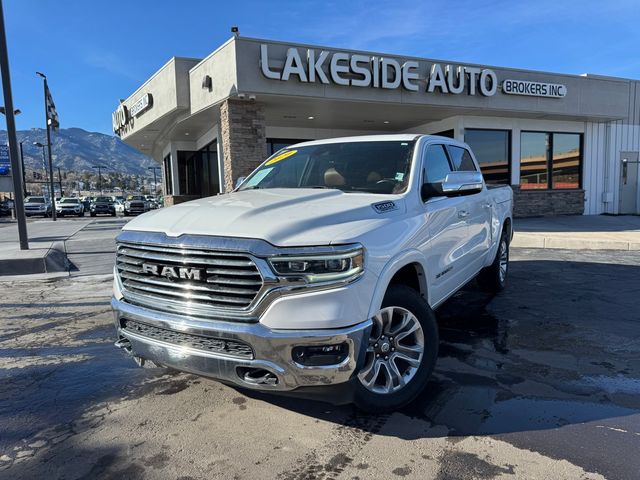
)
(320, 268)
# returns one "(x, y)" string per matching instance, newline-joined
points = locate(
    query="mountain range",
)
(77, 150)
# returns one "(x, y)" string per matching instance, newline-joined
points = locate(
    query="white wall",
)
(314, 133)
(603, 144)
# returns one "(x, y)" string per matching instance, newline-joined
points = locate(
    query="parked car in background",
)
(5, 207)
(103, 206)
(119, 206)
(86, 203)
(36, 206)
(69, 206)
(135, 205)
(324, 267)
(153, 202)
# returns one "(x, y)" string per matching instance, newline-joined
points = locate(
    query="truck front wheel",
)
(401, 352)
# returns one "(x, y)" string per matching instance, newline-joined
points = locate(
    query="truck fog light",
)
(320, 355)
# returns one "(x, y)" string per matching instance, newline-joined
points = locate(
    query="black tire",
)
(93, 214)
(493, 278)
(406, 298)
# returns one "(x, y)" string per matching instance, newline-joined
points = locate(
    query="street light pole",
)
(24, 178)
(46, 120)
(12, 136)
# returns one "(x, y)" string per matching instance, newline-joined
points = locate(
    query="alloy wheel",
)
(504, 260)
(395, 351)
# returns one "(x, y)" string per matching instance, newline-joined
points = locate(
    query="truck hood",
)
(282, 217)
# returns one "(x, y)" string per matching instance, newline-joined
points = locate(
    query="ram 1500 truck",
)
(323, 268)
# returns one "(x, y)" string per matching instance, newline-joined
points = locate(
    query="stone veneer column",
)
(244, 143)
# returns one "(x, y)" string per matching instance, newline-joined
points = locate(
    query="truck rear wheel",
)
(494, 277)
(401, 352)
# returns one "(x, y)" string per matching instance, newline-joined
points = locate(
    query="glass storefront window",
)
(550, 160)
(198, 171)
(492, 150)
(534, 148)
(189, 172)
(168, 177)
(566, 160)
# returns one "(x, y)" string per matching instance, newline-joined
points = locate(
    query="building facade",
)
(567, 144)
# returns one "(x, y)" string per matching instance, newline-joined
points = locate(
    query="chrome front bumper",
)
(272, 349)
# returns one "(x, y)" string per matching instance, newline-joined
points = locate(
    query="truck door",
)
(477, 211)
(445, 229)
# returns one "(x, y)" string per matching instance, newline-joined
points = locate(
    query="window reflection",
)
(533, 160)
(566, 160)
(550, 160)
(491, 148)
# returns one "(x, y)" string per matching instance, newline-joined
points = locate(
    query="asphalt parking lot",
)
(542, 381)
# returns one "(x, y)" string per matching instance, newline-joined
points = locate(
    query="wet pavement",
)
(542, 381)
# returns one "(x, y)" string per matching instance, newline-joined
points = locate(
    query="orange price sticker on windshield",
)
(282, 156)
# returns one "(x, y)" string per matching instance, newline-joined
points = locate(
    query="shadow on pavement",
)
(538, 356)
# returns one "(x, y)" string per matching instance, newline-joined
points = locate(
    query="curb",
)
(54, 260)
(524, 240)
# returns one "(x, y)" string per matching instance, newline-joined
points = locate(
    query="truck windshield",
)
(35, 200)
(373, 167)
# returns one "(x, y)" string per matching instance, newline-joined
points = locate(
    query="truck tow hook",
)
(125, 345)
(259, 376)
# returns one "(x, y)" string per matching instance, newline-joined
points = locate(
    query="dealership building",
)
(567, 144)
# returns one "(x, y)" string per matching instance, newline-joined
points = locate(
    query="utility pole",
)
(11, 135)
(46, 119)
(99, 167)
(60, 182)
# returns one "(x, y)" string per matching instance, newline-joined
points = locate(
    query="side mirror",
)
(454, 184)
(239, 181)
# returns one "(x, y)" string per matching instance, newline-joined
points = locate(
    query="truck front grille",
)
(232, 348)
(186, 280)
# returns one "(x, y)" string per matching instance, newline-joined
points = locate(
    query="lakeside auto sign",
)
(359, 70)
(123, 117)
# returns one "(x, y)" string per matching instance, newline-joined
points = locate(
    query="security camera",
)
(235, 31)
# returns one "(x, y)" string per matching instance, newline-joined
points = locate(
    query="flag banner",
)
(52, 115)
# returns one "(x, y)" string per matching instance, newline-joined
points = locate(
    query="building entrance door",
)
(629, 183)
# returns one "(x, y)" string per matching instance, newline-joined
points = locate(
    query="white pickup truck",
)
(322, 269)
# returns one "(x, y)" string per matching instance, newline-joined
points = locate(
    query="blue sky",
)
(95, 52)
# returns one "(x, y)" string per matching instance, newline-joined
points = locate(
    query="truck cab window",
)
(461, 159)
(436, 164)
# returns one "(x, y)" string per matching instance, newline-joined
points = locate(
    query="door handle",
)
(463, 214)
